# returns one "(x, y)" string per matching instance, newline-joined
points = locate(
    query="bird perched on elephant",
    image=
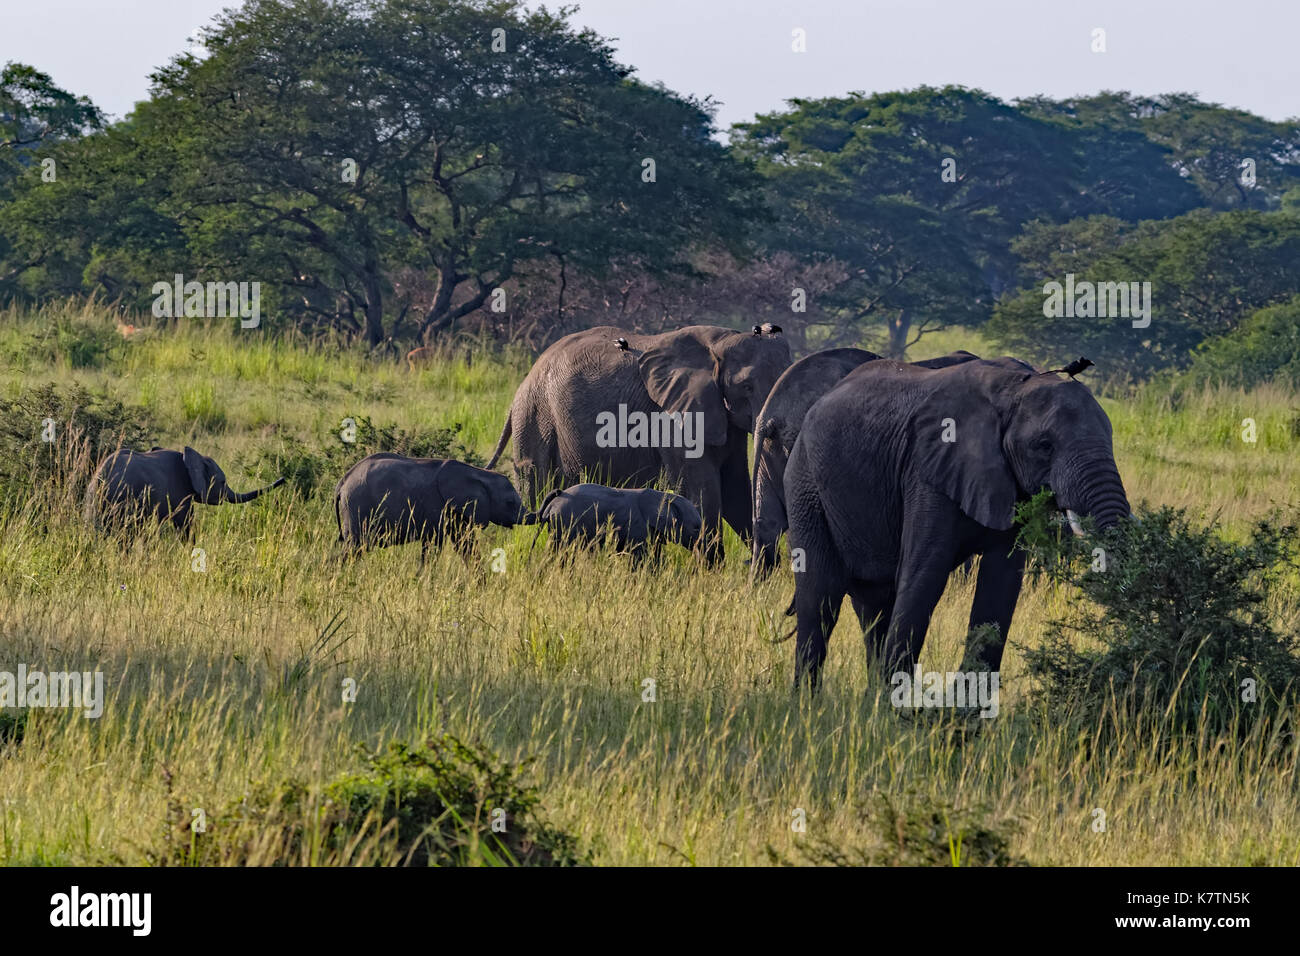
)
(900, 473)
(619, 408)
(640, 519)
(798, 388)
(388, 499)
(160, 484)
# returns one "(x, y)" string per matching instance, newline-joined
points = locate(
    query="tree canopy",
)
(403, 168)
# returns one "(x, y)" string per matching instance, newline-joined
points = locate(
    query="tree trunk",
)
(374, 312)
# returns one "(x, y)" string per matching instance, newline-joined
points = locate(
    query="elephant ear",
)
(681, 375)
(957, 448)
(467, 492)
(203, 472)
(684, 512)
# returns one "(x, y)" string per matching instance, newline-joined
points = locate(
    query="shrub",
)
(77, 341)
(86, 427)
(914, 830)
(1264, 348)
(318, 470)
(1176, 617)
(85, 344)
(433, 805)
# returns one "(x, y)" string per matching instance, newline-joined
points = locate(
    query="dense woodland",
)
(399, 171)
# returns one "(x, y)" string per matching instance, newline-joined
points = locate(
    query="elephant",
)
(640, 518)
(619, 408)
(900, 473)
(387, 499)
(801, 385)
(167, 483)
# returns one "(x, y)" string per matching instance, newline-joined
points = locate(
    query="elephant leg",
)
(818, 594)
(919, 591)
(709, 501)
(929, 551)
(737, 501)
(997, 589)
(182, 521)
(763, 559)
(874, 606)
(817, 607)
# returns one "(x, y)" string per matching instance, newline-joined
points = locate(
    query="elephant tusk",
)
(1073, 520)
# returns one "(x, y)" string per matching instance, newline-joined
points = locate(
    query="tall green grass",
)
(213, 685)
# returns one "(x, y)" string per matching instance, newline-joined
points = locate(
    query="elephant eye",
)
(1042, 444)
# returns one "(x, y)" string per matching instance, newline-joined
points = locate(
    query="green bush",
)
(317, 470)
(433, 805)
(85, 428)
(80, 343)
(913, 830)
(1172, 616)
(1265, 348)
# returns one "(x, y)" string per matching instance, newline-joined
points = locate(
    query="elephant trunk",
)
(224, 494)
(769, 506)
(1093, 487)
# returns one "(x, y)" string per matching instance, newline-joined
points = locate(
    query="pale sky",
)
(739, 51)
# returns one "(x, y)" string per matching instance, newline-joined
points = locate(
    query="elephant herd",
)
(886, 476)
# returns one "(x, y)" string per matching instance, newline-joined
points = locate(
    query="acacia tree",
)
(910, 191)
(1207, 272)
(920, 193)
(1205, 144)
(334, 142)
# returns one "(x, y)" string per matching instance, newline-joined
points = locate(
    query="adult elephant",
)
(608, 406)
(779, 421)
(900, 473)
(161, 483)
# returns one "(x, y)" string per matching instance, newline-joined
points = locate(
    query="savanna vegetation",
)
(226, 687)
(481, 178)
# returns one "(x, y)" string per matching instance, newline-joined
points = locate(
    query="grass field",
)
(213, 684)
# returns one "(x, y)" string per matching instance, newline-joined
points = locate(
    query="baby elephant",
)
(131, 484)
(638, 516)
(390, 499)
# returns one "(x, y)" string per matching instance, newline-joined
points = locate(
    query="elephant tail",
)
(789, 612)
(501, 442)
(550, 496)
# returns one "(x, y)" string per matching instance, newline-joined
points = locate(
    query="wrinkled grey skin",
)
(638, 517)
(884, 508)
(722, 373)
(802, 384)
(388, 499)
(160, 483)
